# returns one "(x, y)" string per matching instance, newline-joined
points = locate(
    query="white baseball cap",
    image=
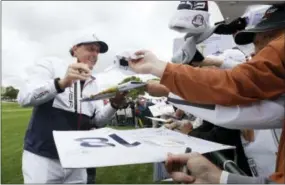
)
(89, 39)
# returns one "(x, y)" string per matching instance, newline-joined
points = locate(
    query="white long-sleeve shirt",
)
(265, 117)
(265, 114)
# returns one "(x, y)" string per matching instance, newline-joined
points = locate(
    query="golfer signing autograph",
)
(54, 89)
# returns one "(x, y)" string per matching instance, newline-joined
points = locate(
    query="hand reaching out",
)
(149, 64)
(202, 170)
(76, 71)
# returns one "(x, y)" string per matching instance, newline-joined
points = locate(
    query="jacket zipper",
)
(75, 97)
(79, 119)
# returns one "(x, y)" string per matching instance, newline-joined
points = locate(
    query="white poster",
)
(110, 147)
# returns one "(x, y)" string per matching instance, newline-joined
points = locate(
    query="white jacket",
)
(39, 88)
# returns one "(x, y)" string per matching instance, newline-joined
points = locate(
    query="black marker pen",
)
(185, 169)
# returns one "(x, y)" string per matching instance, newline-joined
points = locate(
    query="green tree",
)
(11, 92)
(134, 93)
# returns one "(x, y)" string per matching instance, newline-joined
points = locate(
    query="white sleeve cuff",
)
(109, 109)
(197, 123)
(103, 115)
(224, 177)
(33, 95)
(229, 63)
(172, 95)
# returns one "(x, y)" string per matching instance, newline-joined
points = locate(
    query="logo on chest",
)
(70, 98)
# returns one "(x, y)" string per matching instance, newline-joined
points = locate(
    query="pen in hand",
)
(185, 169)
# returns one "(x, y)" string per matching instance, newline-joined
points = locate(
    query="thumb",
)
(131, 64)
(182, 177)
(140, 52)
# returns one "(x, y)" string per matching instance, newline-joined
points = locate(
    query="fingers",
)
(76, 75)
(197, 160)
(121, 95)
(156, 89)
(194, 160)
(81, 67)
(175, 160)
(171, 125)
(169, 163)
(182, 177)
(167, 125)
(174, 163)
(134, 65)
(180, 158)
(170, 120)
(131, 64)
(141, 52)
(78, 72)
(120, 98)
(174, 125)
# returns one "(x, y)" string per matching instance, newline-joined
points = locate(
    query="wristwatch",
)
(57, 87)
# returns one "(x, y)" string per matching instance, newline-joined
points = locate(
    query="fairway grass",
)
(14, 123)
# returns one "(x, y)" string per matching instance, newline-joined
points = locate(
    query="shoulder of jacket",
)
(278, 46)
(280, 38)
(278, 43)
(51, 61)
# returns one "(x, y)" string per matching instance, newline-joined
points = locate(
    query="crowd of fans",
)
(233, 99)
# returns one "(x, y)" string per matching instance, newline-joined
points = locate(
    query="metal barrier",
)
(228, 165)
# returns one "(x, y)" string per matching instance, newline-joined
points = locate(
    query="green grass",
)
(14, 123)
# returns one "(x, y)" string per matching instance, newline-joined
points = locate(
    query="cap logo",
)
(198, 20)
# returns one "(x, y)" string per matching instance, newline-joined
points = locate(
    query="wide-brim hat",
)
(273, 19)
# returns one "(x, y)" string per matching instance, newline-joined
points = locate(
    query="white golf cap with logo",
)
(90, 39)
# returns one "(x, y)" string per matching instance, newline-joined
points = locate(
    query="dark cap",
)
(273, 19)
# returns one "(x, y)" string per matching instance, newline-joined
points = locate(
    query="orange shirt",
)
(260, 78)
(263, 77)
